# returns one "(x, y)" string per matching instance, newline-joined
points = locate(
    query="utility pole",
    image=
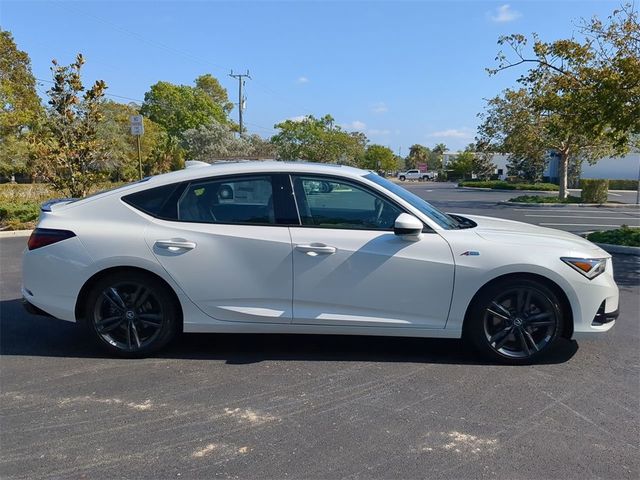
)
(241, 99)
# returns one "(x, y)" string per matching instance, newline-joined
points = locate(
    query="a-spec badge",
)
(470, 253)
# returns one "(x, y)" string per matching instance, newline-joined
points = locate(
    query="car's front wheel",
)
(402, 178)
(131, 314)
(515, 321)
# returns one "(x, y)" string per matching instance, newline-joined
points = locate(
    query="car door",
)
(350, 269)
(229, 248)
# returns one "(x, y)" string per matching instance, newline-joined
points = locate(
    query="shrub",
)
(539, 199)
(18, 214)
(594, 190)
(502, 185)
(624, 235)
(623, 184)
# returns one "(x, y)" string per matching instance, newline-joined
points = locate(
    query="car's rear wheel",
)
(402, 178)
(515, 321)
(131, 314)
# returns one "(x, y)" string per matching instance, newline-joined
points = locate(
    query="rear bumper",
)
(33, 310)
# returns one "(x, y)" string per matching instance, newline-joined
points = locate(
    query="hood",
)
(518, 233)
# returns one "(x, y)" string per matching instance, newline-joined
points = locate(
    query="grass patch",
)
(20, 203)
(539, 199)
(501, 185)
(625, 235)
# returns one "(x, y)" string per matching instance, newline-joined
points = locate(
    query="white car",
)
(416, 175)
(257, 247)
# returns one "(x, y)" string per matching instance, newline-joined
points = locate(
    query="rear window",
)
(158, 202)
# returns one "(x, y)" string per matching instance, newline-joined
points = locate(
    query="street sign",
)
(137, 125)
(135, 119)
(137, 130)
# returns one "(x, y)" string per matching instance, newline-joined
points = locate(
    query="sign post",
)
(137, 129)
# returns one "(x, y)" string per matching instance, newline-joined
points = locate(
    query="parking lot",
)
(572, 218)
(284, 406)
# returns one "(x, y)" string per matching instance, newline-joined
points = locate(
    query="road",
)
(283, 406)
(449, 198)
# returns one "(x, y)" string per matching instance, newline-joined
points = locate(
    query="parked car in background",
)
(416, 174)
(278, 247)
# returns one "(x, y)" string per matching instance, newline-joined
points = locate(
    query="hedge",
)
(594, 190)
(623, 184)
(624, 235)
(539, 199)
(502, 185)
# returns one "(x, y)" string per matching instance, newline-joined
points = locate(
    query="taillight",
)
(41, 237)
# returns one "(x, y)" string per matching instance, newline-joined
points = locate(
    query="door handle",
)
(316, 248)
(175, 244)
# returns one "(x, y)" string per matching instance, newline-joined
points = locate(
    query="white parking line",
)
(579, 216)
(577, 225)
(582, 210)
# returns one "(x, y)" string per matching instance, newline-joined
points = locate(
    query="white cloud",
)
(379, 107)
(355, 125)
(375, 131)
(504, 14)
(298, 118)
(303, 79)
(453, 133)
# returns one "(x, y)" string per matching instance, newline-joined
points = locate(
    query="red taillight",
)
(41, 237)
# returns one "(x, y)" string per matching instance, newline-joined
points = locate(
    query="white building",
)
(612, 168)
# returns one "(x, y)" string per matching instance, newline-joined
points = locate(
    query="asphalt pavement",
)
(572, 218)
(320, 407)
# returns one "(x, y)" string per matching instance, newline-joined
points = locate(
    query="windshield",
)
(442, 219)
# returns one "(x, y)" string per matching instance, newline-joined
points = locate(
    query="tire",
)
(131, 314)
(402, 178)
(515, 322)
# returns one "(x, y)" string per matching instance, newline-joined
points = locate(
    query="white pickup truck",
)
(416, 175)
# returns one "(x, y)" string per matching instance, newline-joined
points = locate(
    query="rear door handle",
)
(316, 248)
(175, 244)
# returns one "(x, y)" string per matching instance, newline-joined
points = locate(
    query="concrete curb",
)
(620, 249)
(15, 233)
(561, 205)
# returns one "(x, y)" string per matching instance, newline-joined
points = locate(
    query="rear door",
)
(351, 270)
(229, 248)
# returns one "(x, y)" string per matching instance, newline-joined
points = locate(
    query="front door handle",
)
(317, 249)
(175, 244)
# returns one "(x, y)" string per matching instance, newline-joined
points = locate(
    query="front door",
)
(351, 270)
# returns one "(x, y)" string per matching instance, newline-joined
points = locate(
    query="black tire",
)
(402, 178)
(131, 314)
(514, 321)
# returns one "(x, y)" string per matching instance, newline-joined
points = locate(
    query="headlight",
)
(589, 267)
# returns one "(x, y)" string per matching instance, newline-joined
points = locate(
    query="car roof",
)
(249, 166)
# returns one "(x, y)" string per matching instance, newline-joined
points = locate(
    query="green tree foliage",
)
(417, 154)
(462, 164)
(529, 167)
(217, 141)
(482, 166)
(68, 151)
(580, 97)
(211, 86)
(20, 107)
(120, 158)
(318, 140)
(378, 157)
(178, 108)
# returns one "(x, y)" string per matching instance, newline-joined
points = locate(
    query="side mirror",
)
(408, 227)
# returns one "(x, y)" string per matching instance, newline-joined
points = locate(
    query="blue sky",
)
(402, 72)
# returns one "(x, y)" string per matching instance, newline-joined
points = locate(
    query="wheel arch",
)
(567, 310)
(88, 285)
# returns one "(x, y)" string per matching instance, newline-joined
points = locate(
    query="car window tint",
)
(333, 203)
(152, 200)
(233, 201)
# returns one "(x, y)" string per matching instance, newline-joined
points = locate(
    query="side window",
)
(333, 203)
(243, 200)
(158, 202)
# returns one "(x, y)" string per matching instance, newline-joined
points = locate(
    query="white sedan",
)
(257, 247)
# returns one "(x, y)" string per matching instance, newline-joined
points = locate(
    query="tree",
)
(417, 154)
(20, 107)
(217, 141)
(482, 166)
(69, 151)
(378, 157)
(120, 158)
(178, 108)
(462, 164)
(211, 86)
(527, 167)
(567, 82)
(318, 140)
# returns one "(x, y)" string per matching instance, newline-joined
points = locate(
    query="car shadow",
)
(23, 334)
